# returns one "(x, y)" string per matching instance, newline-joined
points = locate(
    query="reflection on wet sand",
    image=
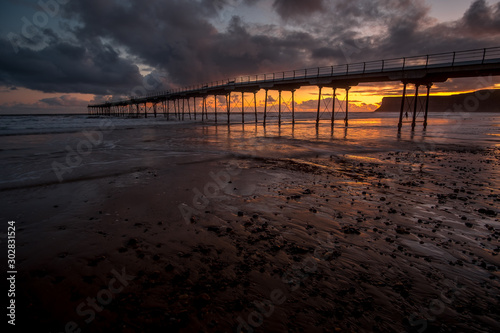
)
(355, 230)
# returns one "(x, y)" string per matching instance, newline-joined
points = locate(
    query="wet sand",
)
(268, 240)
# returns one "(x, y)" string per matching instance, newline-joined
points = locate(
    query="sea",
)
(41, 150)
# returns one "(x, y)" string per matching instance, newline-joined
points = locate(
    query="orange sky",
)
(362, 98)
(90, 50)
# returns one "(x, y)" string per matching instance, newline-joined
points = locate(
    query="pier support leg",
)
(293, 106)
(403, 101)
(265, 108)
(243, 108)
(255, 106)
(154, 108)
(427, 104)
(279, 109)
(183, 111)
(346, 120)
(203, 108)
(168, 109)
(194, 107)
(189, 109)
(319, 106)
(228, 108)
(414, 120)
(215, 108)
(145, 110)
(333, 106)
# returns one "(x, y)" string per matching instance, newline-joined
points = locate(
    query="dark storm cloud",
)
(64, 100)
(410, 31)
(163, 34)
(177, 37)
(67, 68)
(481, 18)
(238, 51)
(105, 41)
(289, 9)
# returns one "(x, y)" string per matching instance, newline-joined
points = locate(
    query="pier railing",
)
(438, 60)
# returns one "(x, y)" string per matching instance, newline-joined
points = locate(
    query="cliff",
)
(479, 101)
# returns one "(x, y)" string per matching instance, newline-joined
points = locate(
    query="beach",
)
(134, 225)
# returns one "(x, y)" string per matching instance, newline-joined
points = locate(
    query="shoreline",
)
(375, 260)
(284, 235)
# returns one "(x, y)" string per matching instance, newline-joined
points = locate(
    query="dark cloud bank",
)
(104, 41)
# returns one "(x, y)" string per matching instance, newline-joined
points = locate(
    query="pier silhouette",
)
(420, 71)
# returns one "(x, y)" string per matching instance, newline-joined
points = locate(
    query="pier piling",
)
(422, 70)
(414, 119)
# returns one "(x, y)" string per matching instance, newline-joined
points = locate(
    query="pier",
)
(418, 71)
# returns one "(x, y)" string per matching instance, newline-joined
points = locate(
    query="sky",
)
(57, 56)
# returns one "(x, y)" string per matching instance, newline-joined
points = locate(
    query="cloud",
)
(105, 43)
(481, 18)
(326, 106)
(175, 36)
(64, 100)
(290, 9)
(67, 68)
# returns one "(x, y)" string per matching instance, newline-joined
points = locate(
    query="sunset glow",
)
(250, 166)
(226, 41)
